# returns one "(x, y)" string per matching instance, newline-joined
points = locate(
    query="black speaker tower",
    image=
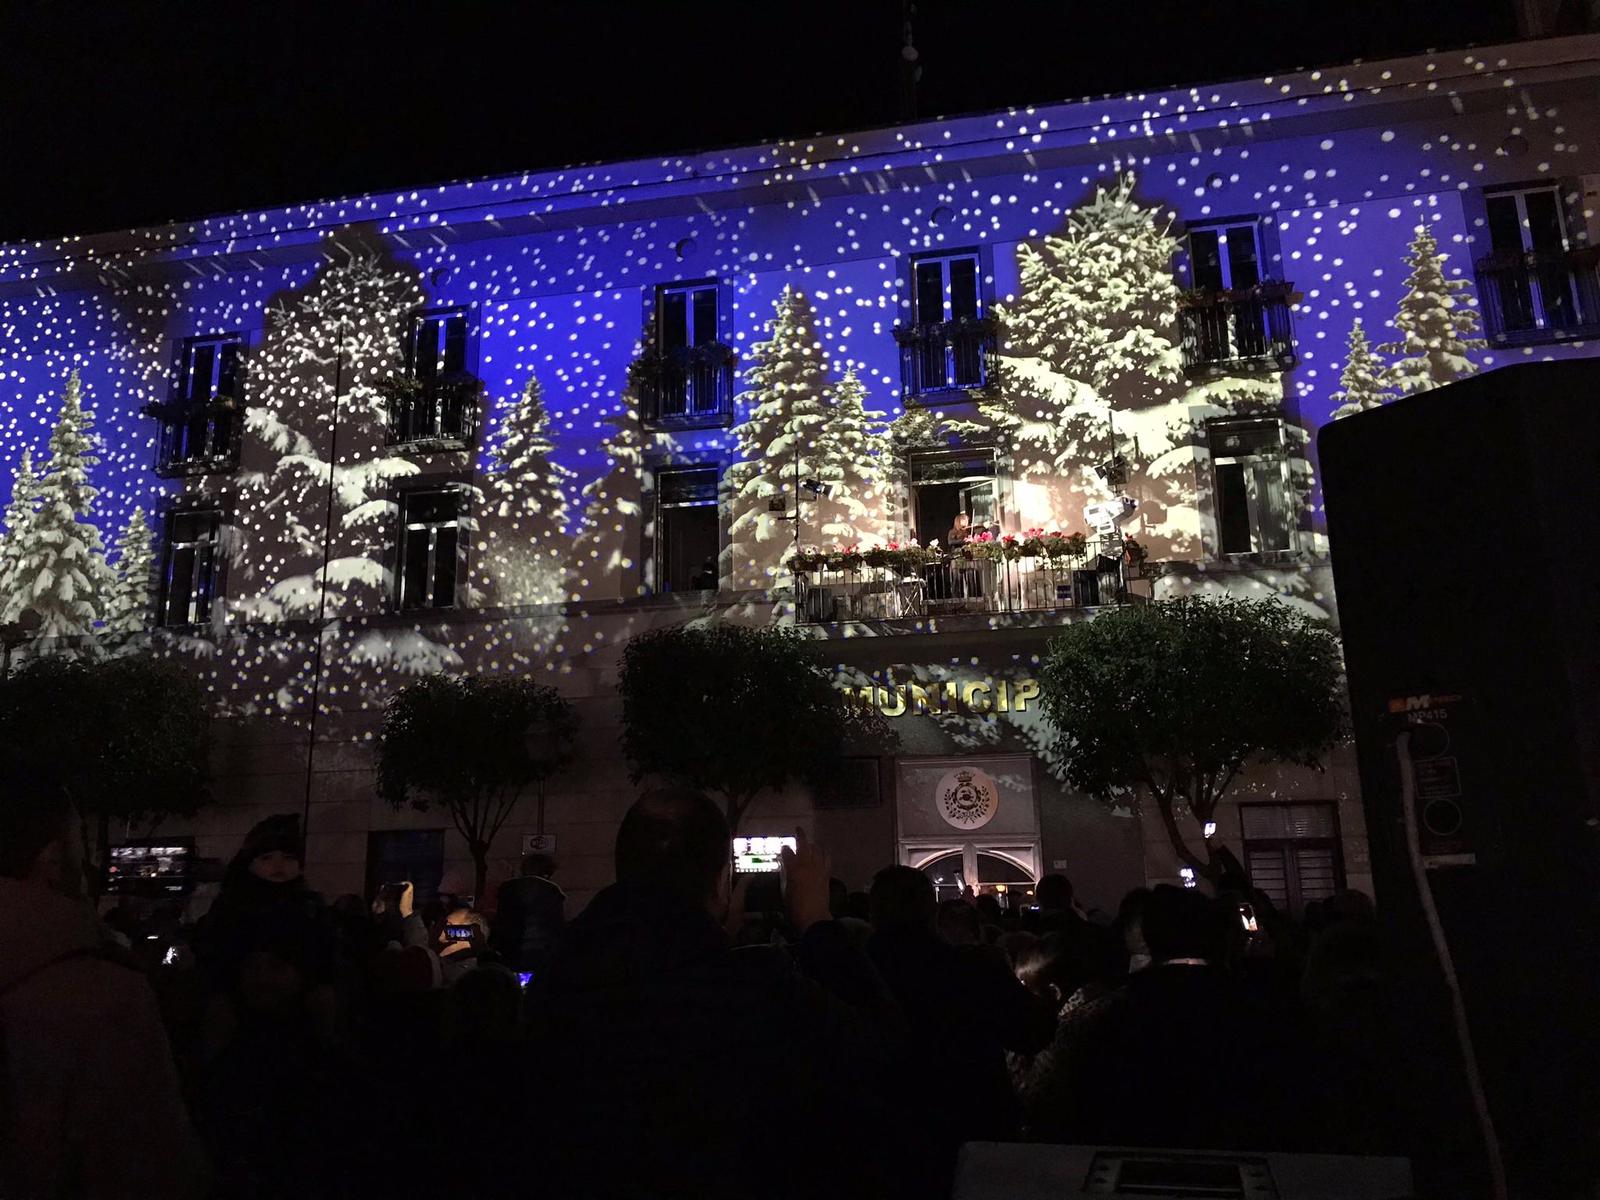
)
(1465, 532)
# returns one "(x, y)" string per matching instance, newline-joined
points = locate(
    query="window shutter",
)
(1269, 872)
(1315, 870)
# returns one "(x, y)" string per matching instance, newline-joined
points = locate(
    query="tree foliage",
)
(731, 709)
(1178, 698)
(129, 737)
(470, 744)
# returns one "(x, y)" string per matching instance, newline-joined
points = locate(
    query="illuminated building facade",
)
(552, 403)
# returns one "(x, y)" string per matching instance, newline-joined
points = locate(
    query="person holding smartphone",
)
(722, 1070)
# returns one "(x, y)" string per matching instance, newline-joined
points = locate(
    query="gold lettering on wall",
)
(975, 697)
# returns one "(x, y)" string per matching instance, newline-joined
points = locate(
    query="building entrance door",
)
(968, 821)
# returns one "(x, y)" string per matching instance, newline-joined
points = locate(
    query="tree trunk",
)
(480, 869)
(1206, 868)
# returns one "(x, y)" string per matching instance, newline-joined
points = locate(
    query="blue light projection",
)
(1336, 169)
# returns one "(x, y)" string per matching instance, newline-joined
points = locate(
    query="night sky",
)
(120, 115)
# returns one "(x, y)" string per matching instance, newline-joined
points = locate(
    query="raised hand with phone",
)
(806, 872)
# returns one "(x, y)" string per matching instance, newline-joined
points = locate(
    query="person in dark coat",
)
(1183, 1057)
(1077, 976)
(673, 1064)
(271, 1078)
(530, 915)
(965, 1009)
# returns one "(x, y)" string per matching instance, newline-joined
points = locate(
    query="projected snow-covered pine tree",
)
(333, 344)
(848, 463)
(1361, 384)
(59, 570)
(786, 381)
(129, 604)
(19, 517)
(525, 545)
(1434, 323)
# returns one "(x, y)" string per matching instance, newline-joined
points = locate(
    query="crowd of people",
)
(689, 1033)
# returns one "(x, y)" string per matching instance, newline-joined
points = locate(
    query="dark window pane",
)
(204, 580)
(1243, 268)
(674, 320)
(689, 546)
(1318, 875)
(930, 293)
(1505, 230)
(425, 349)
(201, 359)
(963, 287)
(455, 343)
(687, 487)
(180, 583)
(1233, 509)
(1205, 258)
(227, 368)
(430, 508)
(444, 567)
(1272, 520)
(705, 316)
(1544, 222)
(414, 570)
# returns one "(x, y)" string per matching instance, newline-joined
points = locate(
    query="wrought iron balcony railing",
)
(687, 387)
(1540, 297)
(1242, 329)
(952, 585)
(196, 439)
(437, 413)
(945, 356)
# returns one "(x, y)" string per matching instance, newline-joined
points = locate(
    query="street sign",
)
(539, 843)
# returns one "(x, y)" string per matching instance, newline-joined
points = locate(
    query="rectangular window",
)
(189, 566)
(1292, 851)
(688, 530)
(693, 378)
(430, 533)
(1251, 476)
(686, 315)
(947, 344)
(439, 405)
(199, 429)
(1225, 257)
(1533, 285)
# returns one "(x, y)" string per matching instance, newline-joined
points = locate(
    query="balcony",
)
(1540, 297)
(690, 387)
(1015, 575)
(1245, 329)
(196, 439)
(945, 356)
(437, 413)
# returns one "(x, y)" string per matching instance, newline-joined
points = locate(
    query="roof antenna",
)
(910, 64)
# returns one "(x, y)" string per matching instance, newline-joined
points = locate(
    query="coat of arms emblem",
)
(967, 798)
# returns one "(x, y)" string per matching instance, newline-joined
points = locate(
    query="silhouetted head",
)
(540, 866)
(1179, 923)
(902, 898)
(1053, 893)
(958, 923)
(676, 839)
(1054, 967)
(37, 828)
(989, 910)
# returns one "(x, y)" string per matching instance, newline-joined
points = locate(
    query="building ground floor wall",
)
(968, 784)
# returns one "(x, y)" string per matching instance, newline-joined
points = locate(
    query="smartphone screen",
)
(459, 933)
(759, 855)
(524, 978)
(1247, 918)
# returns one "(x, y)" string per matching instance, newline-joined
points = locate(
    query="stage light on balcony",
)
(817, 488)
